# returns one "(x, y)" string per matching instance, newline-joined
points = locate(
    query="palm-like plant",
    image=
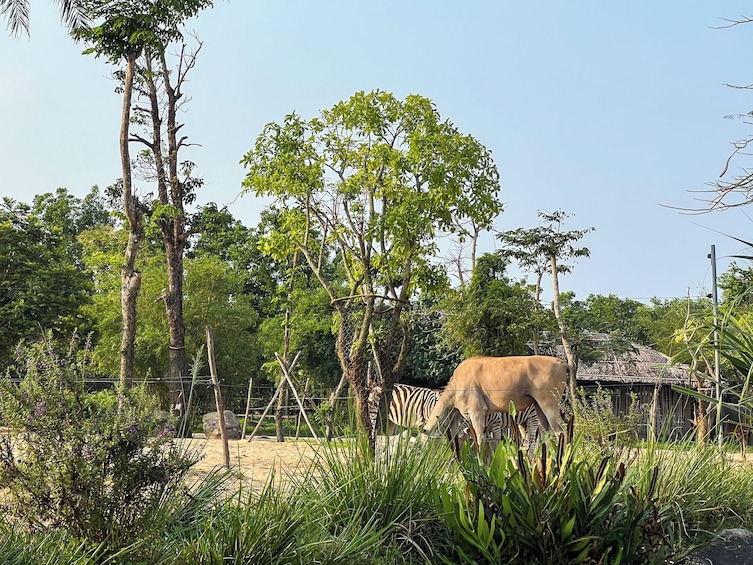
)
(16, 12)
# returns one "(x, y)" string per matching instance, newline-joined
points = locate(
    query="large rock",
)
(730, 547)
(211, 424)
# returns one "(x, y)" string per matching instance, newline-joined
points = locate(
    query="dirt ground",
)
(255, 459)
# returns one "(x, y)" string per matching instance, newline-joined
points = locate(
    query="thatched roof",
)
(643, 365)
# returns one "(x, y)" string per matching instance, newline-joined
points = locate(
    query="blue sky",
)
(609, 111)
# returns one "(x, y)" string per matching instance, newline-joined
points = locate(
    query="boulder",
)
(730, 547)
(211, 424)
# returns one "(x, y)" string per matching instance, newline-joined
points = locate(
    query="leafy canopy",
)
(378, 179)
(127, 27)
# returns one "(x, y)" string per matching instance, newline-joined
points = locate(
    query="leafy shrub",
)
(554, 508)
(99, 465)
(596, 421)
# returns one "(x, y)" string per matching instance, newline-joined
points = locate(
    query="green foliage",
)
(703, 489)
(610, 315)
(737, 286)
(123, 27)
(399, 174)
(391, 493)
(492, 315)
(99, 465)
(597, 422)
(41, 284)
(431, 360)
(213, 295)
(260, 530)
(554, 508)
(534, 248)
(663, 319)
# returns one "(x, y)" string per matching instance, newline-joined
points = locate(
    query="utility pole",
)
(715, 302)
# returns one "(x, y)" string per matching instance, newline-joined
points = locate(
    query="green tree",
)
(220, 235)
(70, 214)
(213, 295)
(378, 179)
(548, 242)
(663, 319)
(41, 286)
(492, 315)
(737, 286)
(431, 360)
(608, 314)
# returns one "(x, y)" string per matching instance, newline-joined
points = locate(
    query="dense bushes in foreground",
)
(94, 477)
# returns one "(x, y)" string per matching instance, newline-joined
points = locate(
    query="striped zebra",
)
(411, 405)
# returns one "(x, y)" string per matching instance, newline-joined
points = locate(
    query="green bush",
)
(99, 465)
(596, 421)
(554, 508)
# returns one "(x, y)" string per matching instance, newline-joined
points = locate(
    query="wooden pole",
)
(218, 396)
(298, 420)
(266, 411)
(248, 407)
(285, 371)
(274, 397)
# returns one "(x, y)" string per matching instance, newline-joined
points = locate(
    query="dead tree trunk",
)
(130, 277)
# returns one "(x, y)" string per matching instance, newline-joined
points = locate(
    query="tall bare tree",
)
(732, 190)
(122, 31)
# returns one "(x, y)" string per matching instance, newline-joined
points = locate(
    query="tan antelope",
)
(484, 385)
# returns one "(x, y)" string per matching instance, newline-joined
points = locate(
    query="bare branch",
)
(732, 23)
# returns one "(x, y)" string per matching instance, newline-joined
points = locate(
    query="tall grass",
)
(392, 492)
(703, 488)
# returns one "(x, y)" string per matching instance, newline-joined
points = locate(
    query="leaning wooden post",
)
(248, 407)
(274, 397)
(218, 396)
(286, 371)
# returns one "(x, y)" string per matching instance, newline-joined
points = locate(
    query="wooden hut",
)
(645, 373)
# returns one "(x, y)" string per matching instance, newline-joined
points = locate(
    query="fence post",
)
(218, 396)
(248, 407)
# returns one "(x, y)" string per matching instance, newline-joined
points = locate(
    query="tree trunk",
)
(537, 305)
(178, 359)
(171, 193)
(572, 366)
(130, 277)
(333, 401)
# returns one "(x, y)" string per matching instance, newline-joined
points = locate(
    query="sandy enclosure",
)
(254, 460)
